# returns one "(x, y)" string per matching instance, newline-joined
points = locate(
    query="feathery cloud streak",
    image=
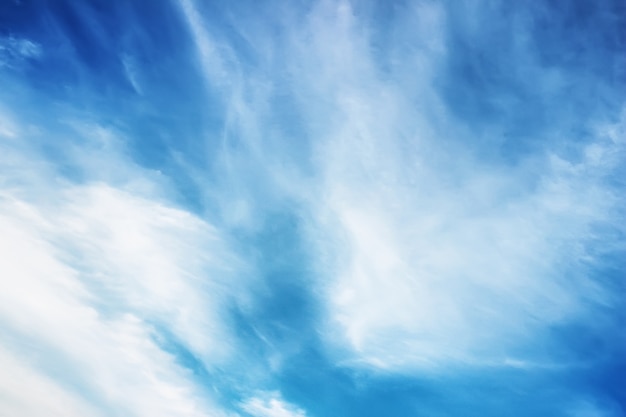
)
(327, 208)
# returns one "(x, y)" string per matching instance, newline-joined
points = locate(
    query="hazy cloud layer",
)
(311, 209)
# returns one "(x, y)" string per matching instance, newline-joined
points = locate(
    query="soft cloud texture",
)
(312, 209)
(271, 405)
(92, 275)
(433, 243)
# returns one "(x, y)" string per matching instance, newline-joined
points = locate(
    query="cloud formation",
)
(311, 209)
(271, 406)
(98, 278)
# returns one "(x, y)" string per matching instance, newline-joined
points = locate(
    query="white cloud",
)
(271, 405)
(90, 273)
(430, 256)
(8, 129)
(214, 57)
(108, 354)
(426, 275)
(132, 73)
(426, 253)
(28, 393)
(13, 50)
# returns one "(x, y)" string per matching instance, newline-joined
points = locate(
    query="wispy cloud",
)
(93, 273)
(14, 50)
(271, 405)
(289, 210)
(434, 243)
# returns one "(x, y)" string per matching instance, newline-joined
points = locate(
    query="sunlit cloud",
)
(271, 405)
(94, 274)
(331, 208)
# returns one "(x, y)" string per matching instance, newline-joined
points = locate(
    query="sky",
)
(324, 208)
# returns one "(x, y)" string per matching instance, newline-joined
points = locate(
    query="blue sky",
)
(312, 208)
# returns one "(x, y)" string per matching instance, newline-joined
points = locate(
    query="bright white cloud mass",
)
(301, 209)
